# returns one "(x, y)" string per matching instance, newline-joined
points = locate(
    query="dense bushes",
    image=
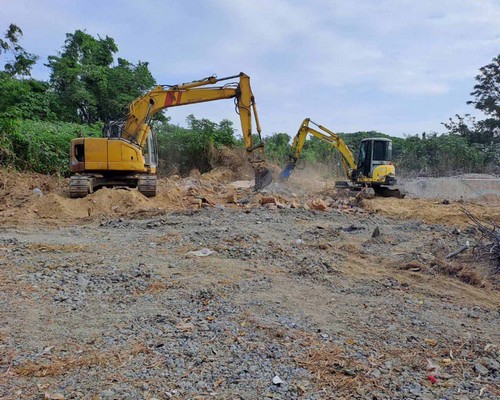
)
(44, 147)
(40, 146)
(184, 149)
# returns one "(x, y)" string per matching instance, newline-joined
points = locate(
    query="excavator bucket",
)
(263, 178)
(286, 172)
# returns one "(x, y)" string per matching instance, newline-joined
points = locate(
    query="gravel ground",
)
(291, 304)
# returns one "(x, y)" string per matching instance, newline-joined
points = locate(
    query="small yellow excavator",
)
(373, 169)
(127, 155)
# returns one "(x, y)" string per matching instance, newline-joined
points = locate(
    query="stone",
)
(481, 369)
(268, 200)
(318, 204)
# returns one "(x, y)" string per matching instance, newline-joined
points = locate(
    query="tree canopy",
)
(20, 61)
(88, 86)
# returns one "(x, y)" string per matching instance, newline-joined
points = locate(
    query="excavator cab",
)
(373, 152)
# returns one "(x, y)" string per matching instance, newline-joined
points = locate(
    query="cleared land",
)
(103, 297)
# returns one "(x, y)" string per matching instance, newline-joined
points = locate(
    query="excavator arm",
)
(137, 125)
(348, 161)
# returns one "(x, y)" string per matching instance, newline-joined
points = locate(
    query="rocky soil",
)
(244, 298)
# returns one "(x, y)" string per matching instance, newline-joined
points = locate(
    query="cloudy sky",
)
(395, 66)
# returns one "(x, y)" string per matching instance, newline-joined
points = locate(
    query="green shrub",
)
(41, 146)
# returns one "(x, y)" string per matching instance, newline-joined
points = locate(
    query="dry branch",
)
(460, 250)
(487, 239)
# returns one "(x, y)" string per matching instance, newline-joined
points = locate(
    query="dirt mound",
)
(34, 198)
(432, 211)
(232, 161)
(16, 187)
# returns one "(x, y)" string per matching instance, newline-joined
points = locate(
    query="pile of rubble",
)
(203, 194)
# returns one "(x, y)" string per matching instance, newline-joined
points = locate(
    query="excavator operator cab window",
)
(79, 152)
(364, 158)
(382, 150)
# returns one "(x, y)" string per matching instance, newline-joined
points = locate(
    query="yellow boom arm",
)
(326, 135)
(136, 128)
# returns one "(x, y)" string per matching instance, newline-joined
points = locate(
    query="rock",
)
(82, 281)
(481, 369)
(490, 363)
(185, 326)
(366, 193)
(376, 232)
(231, 198)
(268, 200)
(54, 396)
(319, 205)
(200, 253)
(376, 373)
(196, 202)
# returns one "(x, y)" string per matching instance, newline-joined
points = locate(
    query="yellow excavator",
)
(373, 169)
(127, 155)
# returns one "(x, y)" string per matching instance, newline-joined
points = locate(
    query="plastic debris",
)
(277, 380)
(200, 253)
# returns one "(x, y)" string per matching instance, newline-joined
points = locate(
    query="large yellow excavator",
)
(127, 155)
(374, 167)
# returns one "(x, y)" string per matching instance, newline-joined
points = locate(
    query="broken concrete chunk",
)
(319, 205)
(200, 253)
(268, 200)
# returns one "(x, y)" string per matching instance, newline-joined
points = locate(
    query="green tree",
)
(484, 135)
(25, 98)
(487, 89)
(277, 147)
(88, 86)
(21, 61)
(183, 149)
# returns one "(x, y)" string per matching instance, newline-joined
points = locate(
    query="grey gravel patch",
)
(128, 315)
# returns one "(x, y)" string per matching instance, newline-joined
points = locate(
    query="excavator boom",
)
(348, 161)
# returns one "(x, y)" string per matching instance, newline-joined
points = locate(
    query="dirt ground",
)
(212, 291)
